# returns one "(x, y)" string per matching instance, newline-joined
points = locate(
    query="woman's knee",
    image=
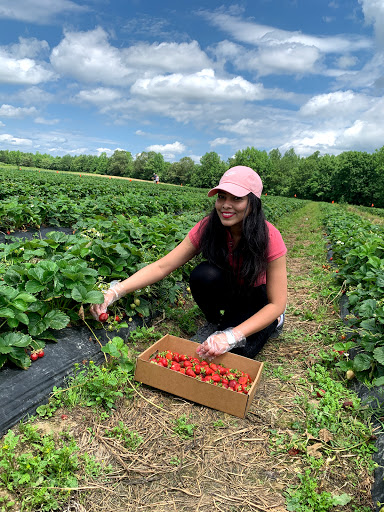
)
(206, 274)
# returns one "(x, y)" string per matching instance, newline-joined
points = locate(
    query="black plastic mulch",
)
(22, 391)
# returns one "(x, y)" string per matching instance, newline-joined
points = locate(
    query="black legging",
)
(213, 290)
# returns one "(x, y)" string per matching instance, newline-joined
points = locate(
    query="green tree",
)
(209, 172)
(148, 163)
(120, 163)
(102, 163)
(180, 172)
(253, 158)
(355, 178)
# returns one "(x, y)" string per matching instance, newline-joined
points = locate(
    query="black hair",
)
(252, 248)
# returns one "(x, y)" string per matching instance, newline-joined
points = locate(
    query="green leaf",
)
(7, 313)
(19, 357)
(379, 381)
(367, 308)
(34, 287)
(94, 297)
(56, 319)
(111, 349)
(362, 362)
(378, 355)
(3, 358)
(22, 317)
(12, 322)
(26, 297)
(37, 326)
(343, 499)
(79, 293)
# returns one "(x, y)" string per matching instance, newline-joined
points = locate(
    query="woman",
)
(242, 285)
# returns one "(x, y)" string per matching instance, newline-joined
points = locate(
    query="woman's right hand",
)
(97, 309)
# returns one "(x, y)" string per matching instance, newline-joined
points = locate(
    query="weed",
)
(130, 440)
(183, 428)
(305, 498)
(50, 466)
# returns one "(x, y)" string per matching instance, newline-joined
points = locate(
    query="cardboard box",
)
(192, 389)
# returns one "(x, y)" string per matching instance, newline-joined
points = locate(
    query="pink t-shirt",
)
(276, 245)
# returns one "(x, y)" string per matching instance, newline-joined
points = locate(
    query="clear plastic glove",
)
(220, 342)
(113, 294)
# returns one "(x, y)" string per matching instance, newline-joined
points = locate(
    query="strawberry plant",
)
(358, 251)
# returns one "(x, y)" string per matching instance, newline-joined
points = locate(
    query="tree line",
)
(353, 177)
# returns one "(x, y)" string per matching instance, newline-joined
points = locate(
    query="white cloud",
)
(99, 96)
(201, 86)
(220, 141)
(374, 13)
(346, 61)
(28, 48)
(14, 141)
(34, 96)
(340, 104)
(108, 151)
(14, 70)
(37, 11)
(258, 34)
(282, 58)
(42, 120)
(16, 112)
(89, 57)
(278, 51)
(1, 123)
(168, 150)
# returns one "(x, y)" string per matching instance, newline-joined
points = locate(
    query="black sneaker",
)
(279, 327)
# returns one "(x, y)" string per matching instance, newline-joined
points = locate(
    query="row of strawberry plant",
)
(44, 282)
(30, 199)
(60, 200)
(358, 253)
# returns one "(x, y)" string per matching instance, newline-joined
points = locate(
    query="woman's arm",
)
(277, 299)
(148, 275)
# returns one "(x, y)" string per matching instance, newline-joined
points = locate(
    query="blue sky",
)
(188, 77)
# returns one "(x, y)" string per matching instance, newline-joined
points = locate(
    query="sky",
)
(187, 77)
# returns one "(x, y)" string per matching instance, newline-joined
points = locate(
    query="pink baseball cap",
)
(239, 181)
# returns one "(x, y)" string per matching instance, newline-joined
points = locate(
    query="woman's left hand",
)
(220, 342)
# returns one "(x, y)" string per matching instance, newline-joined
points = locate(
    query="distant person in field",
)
(241, 286)
(155, 178)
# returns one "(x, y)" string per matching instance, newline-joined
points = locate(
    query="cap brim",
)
(231, 188)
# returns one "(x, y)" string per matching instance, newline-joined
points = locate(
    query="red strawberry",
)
(103, 317)
(243, 380)
(215, 377)
(40, 353)
(117, 318)
(320, 393)
(190, 372)
(34, 356)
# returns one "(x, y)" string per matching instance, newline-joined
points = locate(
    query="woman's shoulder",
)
(195, 233)
(276, 246)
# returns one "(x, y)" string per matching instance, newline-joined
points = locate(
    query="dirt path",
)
(229, 464)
